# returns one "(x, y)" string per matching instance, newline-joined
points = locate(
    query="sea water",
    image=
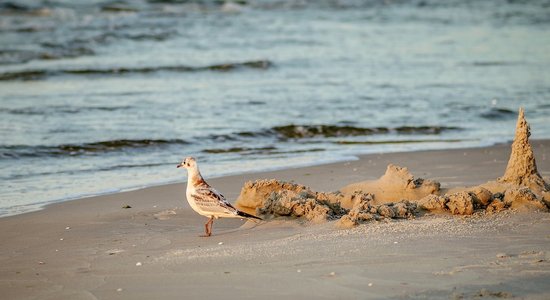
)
(99, 96)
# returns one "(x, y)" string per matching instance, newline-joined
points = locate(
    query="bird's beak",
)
(179, 166)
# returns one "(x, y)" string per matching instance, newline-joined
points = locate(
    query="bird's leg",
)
(210, 222)
(208, 227)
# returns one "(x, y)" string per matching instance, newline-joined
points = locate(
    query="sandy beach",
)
(94, 248)
(369, 145)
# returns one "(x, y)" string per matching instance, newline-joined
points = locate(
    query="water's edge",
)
(36, 207)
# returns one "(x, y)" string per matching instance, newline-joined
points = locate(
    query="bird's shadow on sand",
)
(246, 226)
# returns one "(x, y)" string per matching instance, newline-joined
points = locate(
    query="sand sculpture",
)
(277, 198)
(396, 184)
(399, 195)
(522, 167)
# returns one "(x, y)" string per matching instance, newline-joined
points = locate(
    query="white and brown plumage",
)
(205, 200)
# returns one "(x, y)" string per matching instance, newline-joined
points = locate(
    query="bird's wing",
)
(210, 200)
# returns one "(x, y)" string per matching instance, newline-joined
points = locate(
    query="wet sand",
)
(95, 249)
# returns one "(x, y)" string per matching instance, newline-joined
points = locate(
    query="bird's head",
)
(188, 163)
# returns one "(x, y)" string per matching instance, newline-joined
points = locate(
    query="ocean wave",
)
(11, 7)
(260, 150)
(15, 56)
(48, 110)
(278, 133)
(43, 73)
(495, 63)
(344, 142)
(118, 7)
(294, 132)
(240, 150)
(77, 47)
(495, 113)
(121, 33)
(309, 131)
(22, 151)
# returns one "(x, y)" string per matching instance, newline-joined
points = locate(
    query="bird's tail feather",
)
(249, 216)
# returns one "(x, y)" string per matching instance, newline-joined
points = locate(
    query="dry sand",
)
(95, 249)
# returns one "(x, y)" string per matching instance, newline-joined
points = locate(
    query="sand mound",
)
(521, 188)
(254, 194)
(523, 199)
(304, 204)
(522, 168)
(482, 196)
(396, 184)
(283, 199)
(398, 194)
(460, 203)
(478, 198)
(367, 211)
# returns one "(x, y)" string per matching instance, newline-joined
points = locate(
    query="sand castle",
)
(522, 167)
(399, 195)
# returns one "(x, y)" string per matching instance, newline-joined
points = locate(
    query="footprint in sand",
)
(165, 214)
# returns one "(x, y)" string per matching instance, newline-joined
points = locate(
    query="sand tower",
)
(522, 168)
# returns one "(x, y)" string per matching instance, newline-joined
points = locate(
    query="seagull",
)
(205, 200)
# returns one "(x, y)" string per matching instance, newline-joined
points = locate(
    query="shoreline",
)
(352, 157)
(93, 248)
